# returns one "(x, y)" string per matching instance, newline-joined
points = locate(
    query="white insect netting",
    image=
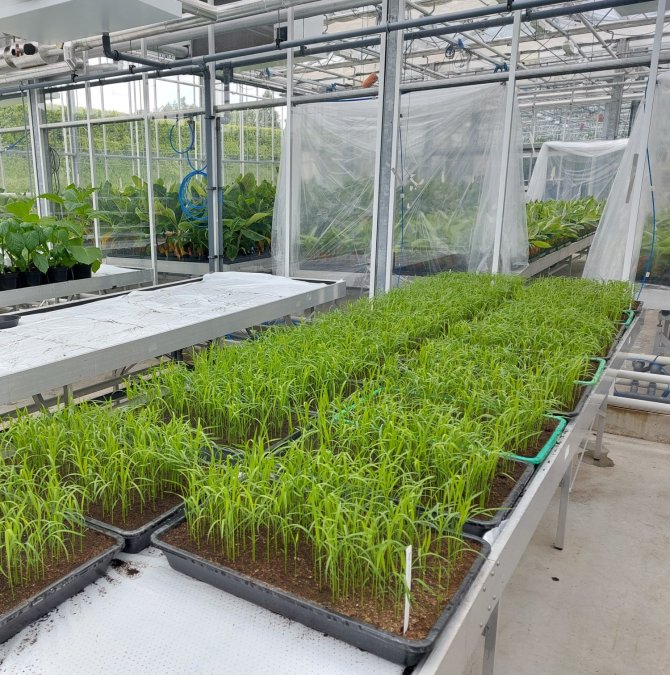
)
(449, 179)
(651, 238)
(571, 170)
(447, 182)
(332, 190)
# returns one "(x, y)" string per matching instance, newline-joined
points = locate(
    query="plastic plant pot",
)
(360, 634)
(8, 321)
(43, 602)
(479, 526)
(137, 540)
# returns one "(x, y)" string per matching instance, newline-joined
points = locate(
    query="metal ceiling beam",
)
(597, 35)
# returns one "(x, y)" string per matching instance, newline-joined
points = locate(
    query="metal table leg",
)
(490, 635)
(563, 509)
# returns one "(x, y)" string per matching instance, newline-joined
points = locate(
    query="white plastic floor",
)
(143, 617)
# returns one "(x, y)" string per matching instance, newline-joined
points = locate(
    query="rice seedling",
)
(119, 459)
(258, 387)
(40, 522)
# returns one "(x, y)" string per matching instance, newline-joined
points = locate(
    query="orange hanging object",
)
(370, 80)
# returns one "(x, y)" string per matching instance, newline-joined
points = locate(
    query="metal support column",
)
(39, 145)
(209, 122)
(613, 108)
(73, 133)
(287, 150)
(640, 161)
(91, 161)
(490, 636)
(212, 154)
(564, 485)
(506, 143)
(390, 67)
(150, 169)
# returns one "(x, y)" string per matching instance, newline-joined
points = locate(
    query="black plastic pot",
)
(81, 271)
(479, 526)
(9, 321)
(9, 281)
(30, 278)
(357, 633)
(40, 604)
(57, 275)
(137, 540)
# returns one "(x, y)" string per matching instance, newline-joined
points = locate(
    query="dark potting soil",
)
(505, 479)
(91, 545)
(299, 579)
(548, 429)
(138, 516)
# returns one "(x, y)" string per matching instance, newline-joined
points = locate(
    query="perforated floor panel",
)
(143, 617)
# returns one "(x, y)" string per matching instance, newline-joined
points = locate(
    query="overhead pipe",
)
(115, 55)
(267, 50)
(198, 8)
(534, 73)
(8, 76)
(529, 15)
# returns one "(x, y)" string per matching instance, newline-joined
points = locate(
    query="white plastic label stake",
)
(408, 584)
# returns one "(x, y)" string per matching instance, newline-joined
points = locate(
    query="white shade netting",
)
(650, 233)
(448, 166)
(572, 170)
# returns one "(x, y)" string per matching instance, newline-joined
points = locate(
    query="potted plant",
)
(8, 275)
(25, 243)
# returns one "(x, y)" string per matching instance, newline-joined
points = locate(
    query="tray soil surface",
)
(548, 429)
(137, 517)
(504, 482)
(91, 545)
(299, 579)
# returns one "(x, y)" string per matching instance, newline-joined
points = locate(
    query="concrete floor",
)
(600, 606)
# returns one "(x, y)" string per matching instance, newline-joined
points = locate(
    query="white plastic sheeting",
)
(571, 170)
(143, 617)
(448, 168)
(332, 189)
(607, 256)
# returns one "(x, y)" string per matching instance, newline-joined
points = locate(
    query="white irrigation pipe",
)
(637, 404)
(643, 377)
(663, 360)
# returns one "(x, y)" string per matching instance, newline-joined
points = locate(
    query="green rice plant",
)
(329, 504)
(120, 459)
(40, 523)
(257, 388)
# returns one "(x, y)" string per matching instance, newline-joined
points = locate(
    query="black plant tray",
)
(579, 406)
(137, 540)
(43, 602)
(357, 633)
(478, 526)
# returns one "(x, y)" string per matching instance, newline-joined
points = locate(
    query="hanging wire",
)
(193, 204)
